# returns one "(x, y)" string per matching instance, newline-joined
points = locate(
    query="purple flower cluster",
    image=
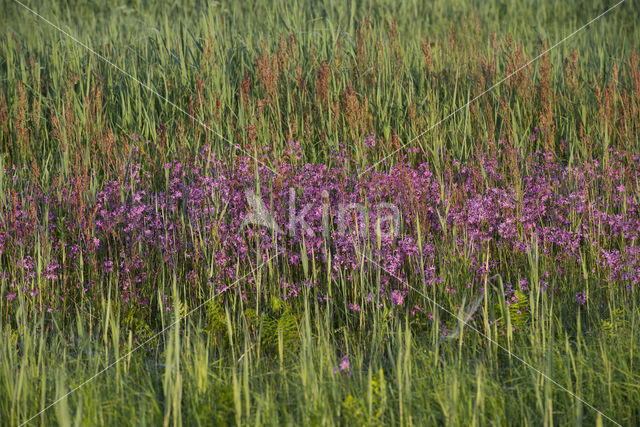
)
(581, 298)
(193, 218)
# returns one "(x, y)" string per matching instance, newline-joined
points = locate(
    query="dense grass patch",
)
(248, 213)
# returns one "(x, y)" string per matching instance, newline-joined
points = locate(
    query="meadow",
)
(319, 213)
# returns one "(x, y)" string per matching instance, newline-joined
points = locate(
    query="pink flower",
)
(415, 309)
(397, 298)
(344, 365)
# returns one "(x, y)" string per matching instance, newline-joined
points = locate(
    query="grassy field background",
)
(125, 272)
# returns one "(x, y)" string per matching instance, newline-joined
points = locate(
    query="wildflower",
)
(51, 271)
(543, 284)
(370, 141)
(397, 298)
(344, 365)
(581, 298)
(415, 309)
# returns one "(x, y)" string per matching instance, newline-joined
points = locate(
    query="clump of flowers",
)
(199, 216)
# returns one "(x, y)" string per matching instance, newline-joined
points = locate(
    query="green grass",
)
(393, 68)
(172, 48)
